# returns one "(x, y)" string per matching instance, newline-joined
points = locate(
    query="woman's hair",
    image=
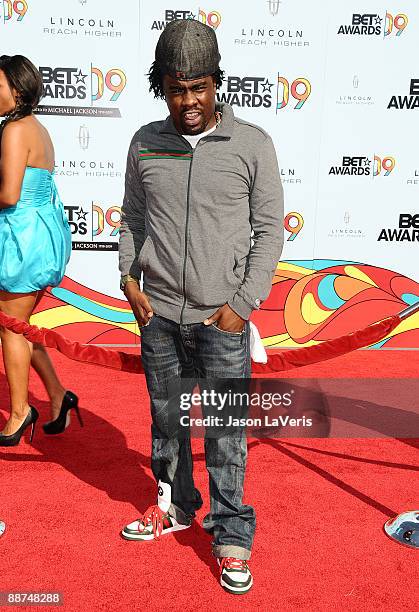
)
(22, 76)
(155, 78)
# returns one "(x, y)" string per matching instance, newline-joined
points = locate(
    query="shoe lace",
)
(154, 516)
(233, 563)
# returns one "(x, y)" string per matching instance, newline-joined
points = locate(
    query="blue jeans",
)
(171, 351)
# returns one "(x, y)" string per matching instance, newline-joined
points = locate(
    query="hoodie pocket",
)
(160, 268)
(211, 278)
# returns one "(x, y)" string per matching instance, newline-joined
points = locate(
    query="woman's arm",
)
(14, 157)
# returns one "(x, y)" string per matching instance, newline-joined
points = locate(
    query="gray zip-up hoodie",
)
(188, 215)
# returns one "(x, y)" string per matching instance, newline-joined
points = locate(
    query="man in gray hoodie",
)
(202, 221)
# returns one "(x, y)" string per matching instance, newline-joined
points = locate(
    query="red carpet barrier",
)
(87, 353)
(287, 360)
(296, 358)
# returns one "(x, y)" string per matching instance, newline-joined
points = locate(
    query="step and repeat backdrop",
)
(335, 83)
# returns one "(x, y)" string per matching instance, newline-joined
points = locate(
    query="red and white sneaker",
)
(156, 520)
(235, 576)
(152, 525)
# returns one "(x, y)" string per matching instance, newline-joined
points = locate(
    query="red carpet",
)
(320, 504)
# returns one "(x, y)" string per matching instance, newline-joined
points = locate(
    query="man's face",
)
(191, 103)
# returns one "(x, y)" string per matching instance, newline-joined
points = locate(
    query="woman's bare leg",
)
(17, 353)
(43, 367)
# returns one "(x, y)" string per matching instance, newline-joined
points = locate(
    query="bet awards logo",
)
(256, 92)
(352, 166)
(77, 219)
(293, 223)
(408, 230)
(211, 18)
(383, 165)
(251, 92)
(371, 24)
(169, 16)
(96, 229)
(362, 165)
(63, 84)
(407, 102)
(14, 10)
(300, 90)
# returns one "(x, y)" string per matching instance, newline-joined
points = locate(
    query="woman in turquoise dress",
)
(35, 244)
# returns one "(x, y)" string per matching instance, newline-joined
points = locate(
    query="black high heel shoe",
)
(14, 439)
(70, 401)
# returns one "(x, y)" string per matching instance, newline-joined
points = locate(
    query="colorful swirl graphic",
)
(86, 315)
(314, 301)
(310, 302)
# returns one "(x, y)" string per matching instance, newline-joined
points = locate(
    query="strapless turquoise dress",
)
(35, 237)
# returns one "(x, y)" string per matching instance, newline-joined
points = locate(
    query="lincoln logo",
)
(84, 137)
(273, 7)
